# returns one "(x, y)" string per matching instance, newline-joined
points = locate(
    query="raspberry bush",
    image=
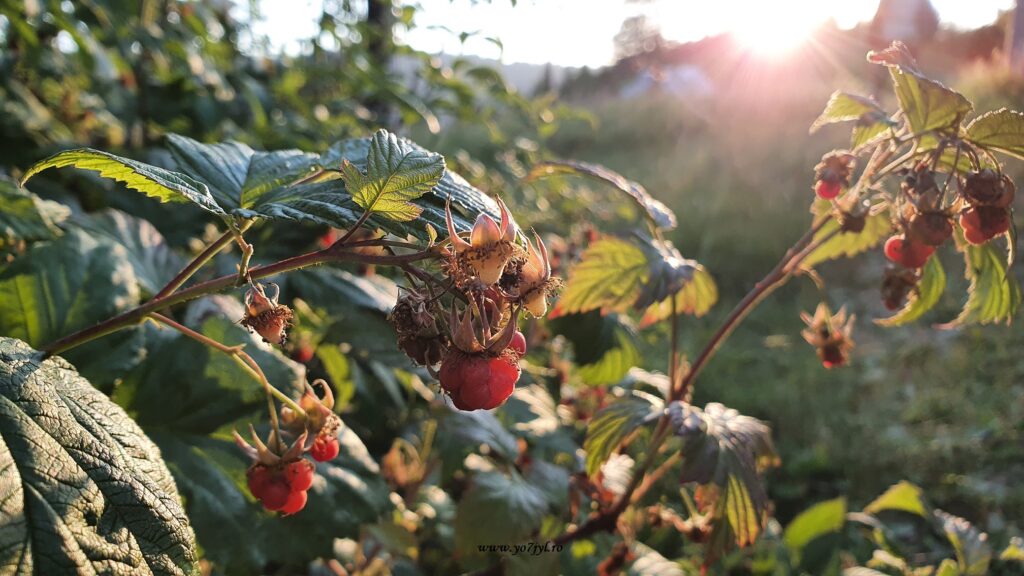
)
(390, 290)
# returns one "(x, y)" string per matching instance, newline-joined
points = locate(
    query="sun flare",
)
(768, 29)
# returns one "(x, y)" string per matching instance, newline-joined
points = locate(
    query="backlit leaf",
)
(659, 214)
(926, 104)
(612, 424)
(608, 277)
(1001, 130)
(994, 295)
(164, 185)
(395, 174)
(903, 496)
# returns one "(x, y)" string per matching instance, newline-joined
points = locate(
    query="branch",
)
(137, 314)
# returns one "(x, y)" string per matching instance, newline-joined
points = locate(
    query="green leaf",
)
(867, 133)
(25, 216)
(612, 424)
(659, 214)
(903, 496)
(467, 431)
(724, 448)
(948, 567)
(196, 389)
(862, 571)
(395, 174)
(58, 287)
(238, 176)
(929, 290)
(604, 347)
(877, 227)
(695, 299)
(1001, 130)
(326, 202)
(164, 185)
(669, 272)
(973, 552)
(993, 295)
(845, 107)
(152, 260)
(608, 277)
(82, 489)
(1014, 551)
(497, 509)
(926, 104)
(819, 520)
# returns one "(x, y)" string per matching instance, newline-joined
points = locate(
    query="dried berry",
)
(930, 228)
(988, 188)
(829, 334)
(265, 316)
(897, 284)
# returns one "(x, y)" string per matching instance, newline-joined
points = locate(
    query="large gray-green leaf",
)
(236, 175)
(82, 490)
(497, 509)
(395, 174)
(153, 261)
(71, 283)
(164, 185)
(25, 216)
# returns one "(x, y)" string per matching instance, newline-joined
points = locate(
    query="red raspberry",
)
(257, 477)
(479, 381)
(299, 474)
(275, 493)
(296, 501)
(303, 354)
(827, 189)
(982, 223)
(324, 449)
(907, 253)
(518, 343)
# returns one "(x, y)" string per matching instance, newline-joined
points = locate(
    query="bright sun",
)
(769, 29)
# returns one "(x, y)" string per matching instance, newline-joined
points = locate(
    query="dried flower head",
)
(265, 316)
(490, 248)
(829, 334)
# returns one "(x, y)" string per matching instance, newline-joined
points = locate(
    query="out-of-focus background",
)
(707, 104)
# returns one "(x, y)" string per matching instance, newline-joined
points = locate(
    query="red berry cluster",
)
(832, 174)
(282, 487)
(988, 196)
(472, 344)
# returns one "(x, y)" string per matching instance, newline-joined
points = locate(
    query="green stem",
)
(205, 256)
(247, 362)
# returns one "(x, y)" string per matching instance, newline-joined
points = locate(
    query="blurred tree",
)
(637, 36)
(1015, 39)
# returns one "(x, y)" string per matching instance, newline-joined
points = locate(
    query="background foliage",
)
(940, 410)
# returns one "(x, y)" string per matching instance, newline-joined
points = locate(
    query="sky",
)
(580, 32)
